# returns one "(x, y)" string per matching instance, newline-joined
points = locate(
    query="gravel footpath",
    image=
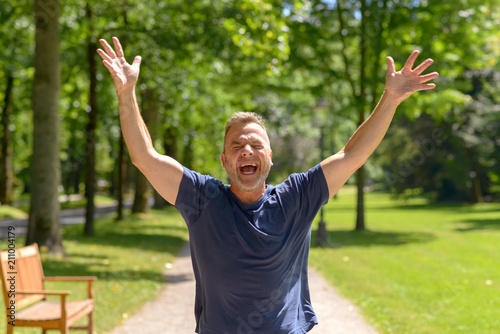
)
(173, 311)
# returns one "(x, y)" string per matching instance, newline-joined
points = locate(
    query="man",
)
(250, 241)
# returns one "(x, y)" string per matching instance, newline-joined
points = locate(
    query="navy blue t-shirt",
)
(250, 260)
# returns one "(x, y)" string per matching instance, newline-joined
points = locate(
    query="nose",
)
(247, 150)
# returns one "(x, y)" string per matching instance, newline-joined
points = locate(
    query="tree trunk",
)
(476, 191)
(170, 147)
(141, 197)
(122, 175)
(90, 181)
(6, 172)
(188, 154)
(360, 175)
(159, 201)
(44, 226)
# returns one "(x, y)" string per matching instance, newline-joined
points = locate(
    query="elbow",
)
(137, 162)
(359, 164)
(136, 159)
(141, 161)
(356, 161)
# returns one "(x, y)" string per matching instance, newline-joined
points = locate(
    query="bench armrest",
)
(61, 293)
(44, 292)
(88, 279)
(71, 278)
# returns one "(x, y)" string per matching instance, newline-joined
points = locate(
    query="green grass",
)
(419, 268)
(99, 200)
(12, 212)
(128, 258)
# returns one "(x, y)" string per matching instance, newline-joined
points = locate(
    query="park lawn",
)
(419, 268)
(129, 258)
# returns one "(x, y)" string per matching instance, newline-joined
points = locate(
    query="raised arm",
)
(398, 86)
(164, 173)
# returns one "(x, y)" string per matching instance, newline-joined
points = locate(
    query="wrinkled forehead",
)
(249, 131)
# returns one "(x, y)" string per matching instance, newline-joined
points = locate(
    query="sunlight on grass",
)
(418, 268)
(129, 259)
(12, 212)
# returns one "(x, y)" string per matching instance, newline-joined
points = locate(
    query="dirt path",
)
(172, 312)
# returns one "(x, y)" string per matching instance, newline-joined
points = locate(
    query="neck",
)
(248, 196)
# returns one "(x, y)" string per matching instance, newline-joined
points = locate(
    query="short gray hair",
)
(244, 117)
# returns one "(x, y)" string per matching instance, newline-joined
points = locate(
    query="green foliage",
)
(205, 60)
(452, 151)
(17, 34)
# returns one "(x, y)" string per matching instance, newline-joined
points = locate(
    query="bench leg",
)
(91, 322)
(10, 329)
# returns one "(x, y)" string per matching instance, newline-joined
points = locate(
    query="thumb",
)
(390, 65)
(137, 61)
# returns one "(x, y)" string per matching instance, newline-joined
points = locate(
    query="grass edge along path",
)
(420, 268)
(129, 258)
(20, 209)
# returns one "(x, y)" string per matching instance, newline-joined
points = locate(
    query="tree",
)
(441, 143)
(342, 44)
(6, 172)
(15, 63)
(458, 159)
(44, 226)
(90, 174)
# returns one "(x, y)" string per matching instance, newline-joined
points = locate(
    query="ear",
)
(223, 159)
(271, 157)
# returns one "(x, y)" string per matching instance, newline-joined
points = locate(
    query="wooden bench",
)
(25, 296)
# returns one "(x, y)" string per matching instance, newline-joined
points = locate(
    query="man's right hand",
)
(124, 75)
(162, 171)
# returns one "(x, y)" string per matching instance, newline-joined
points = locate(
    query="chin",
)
(248, 188)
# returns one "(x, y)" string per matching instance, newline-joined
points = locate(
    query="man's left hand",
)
(400, 85)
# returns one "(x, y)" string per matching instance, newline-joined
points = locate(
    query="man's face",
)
(247, 156)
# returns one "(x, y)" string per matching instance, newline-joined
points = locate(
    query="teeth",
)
(246, 165)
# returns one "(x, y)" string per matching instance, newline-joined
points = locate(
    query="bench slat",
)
(46, 311)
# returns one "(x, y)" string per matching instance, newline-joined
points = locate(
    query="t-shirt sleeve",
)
(195, 192)
(305, 193)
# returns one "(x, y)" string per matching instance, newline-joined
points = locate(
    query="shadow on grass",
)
(465, 207)
(142, 242)
(131, 234)
(338, 239)
(64, 268)
(479, 224)
(96, 255)
(97, 263)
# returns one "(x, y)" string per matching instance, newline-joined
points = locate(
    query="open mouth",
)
(248, 168)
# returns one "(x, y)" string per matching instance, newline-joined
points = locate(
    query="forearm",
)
(369, 135)
(135, 132)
